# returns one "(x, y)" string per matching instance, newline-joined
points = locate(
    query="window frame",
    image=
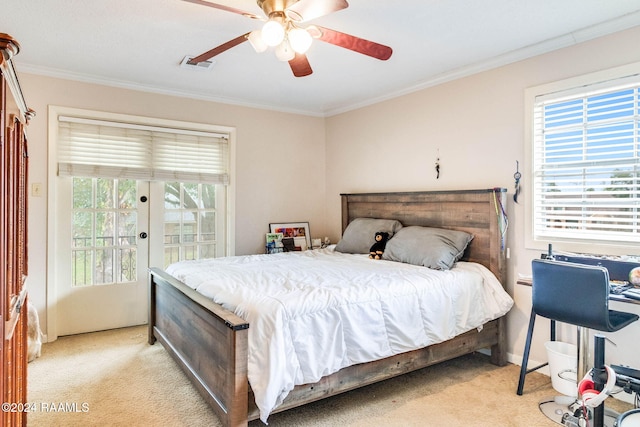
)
(579, 84)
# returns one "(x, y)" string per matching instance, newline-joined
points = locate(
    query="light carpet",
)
(114, 378)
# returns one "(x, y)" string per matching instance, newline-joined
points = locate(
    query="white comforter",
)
(312, 313)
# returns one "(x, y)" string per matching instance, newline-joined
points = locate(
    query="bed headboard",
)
(479, 212)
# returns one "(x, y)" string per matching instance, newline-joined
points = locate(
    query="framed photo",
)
(274, 243)
(298, 231)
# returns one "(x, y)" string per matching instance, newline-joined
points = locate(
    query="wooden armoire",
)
(14, 116)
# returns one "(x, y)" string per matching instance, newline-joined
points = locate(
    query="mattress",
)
(313, 313)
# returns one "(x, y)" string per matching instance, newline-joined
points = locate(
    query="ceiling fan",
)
(284, 32)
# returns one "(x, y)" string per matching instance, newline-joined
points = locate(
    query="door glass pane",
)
(104, 228)
(171, 228)
(82, 193)
(189, 226)
(128, 264)
(190, 199)
(208, 196)
(83, 229)
(171, 254)
(127, 224)
(208, 226)
(189, 252)
(104, 193)
(207, 251)
(103, 266)
(104, 231)
(82, 271)
(127, 194)
(172, 195)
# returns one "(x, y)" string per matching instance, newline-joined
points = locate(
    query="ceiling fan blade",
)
(347, 41)
(218, 50)
(306, 10)
(300, 65)
(226, 8)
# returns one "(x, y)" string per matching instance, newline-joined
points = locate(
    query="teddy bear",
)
(378, 247)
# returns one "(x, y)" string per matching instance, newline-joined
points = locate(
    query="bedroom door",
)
(102, 254)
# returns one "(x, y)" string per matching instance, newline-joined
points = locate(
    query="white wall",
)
(476, 124)
(279, 161)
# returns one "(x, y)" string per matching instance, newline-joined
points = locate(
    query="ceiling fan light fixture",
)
(290, 40)
(273, 32)
(299, 39)
(258, 44)
(284, 52)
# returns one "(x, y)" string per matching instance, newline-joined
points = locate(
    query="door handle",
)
(143, 235)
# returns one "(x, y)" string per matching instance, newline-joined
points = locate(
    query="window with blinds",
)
(97, 148)
(586, 151)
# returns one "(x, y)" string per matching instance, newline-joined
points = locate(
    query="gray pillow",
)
(360, 234)
(435, 248)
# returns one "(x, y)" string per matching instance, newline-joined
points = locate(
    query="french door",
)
(106, 239)
(102, 254)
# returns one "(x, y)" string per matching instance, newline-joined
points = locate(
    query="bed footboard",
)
(360, 375)
(208, 342)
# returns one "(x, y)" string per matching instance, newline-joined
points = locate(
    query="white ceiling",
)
(139, 44)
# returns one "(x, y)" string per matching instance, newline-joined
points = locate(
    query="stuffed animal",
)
(378, 247)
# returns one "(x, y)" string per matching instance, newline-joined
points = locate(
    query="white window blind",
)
(96, 148)
(586, 163)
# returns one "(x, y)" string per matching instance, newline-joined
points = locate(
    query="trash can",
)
(563, 367)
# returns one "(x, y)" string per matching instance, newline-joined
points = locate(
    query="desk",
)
(622, 298)
(583, 333)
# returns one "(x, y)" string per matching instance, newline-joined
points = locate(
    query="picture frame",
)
(299, 231)
(274, 243)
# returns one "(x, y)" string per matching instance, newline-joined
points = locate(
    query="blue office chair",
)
(572, 293)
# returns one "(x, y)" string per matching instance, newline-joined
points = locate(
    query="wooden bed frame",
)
(210, 343)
